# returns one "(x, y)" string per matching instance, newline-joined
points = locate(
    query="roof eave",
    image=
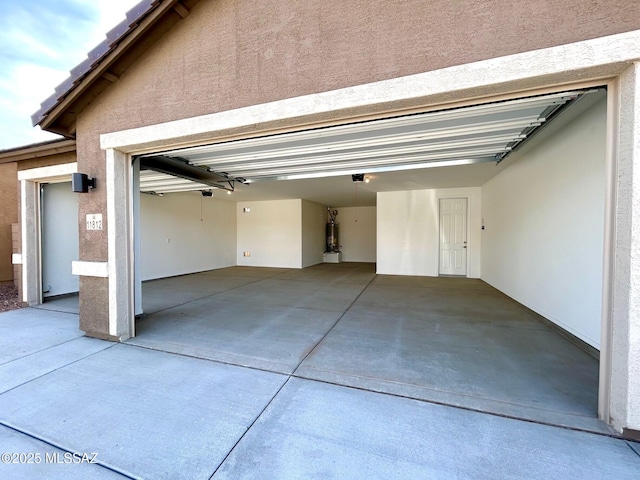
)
(37, 150)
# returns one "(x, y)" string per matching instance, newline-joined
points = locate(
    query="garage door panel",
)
(59, 239)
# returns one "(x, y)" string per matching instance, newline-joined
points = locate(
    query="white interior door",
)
(453, 236)
(59, 239)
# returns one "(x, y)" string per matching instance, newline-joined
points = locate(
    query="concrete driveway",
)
(75, 407)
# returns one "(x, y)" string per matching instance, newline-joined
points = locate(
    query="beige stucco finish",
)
(625, 334)
(230, 54)
(8, 216)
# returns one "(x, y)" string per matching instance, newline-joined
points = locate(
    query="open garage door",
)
(463, 136)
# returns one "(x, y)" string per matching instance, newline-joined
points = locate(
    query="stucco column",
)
(30, 200)
(625, 321)
(121, 316)
(137, 269)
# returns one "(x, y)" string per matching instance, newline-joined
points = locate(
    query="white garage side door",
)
(59, 239)
(453, 236)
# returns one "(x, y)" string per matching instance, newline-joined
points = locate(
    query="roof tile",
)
(117, 32)
(113, 37)
(99, 51)
(64, 87)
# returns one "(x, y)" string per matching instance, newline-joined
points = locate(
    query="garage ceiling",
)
(465, 140)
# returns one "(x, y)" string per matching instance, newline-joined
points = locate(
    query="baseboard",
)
(578, 342)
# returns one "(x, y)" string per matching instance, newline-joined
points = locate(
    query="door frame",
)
(467, 199)
(31, 225)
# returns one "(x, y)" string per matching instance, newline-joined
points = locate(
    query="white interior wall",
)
(544, 225)
(357, 233)
(271, 233)
(59, 239)
(185, 233)
(408, 231)
(314, 219)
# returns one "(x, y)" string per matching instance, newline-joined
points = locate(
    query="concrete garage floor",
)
(69, 303)
(454, 341)
(149, 413)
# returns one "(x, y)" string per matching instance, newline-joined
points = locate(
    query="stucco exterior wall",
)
(228, 53)
(8, 216)
(17, 247)
(625, 335)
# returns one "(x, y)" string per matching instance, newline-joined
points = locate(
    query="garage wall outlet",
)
(247, 254)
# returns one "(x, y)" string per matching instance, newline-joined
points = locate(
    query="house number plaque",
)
(94, 221)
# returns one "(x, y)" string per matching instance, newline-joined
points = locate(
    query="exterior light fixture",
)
(357, 177)
(206, 193)
(81, 183)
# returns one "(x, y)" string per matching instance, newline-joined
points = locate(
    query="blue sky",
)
(40, 41)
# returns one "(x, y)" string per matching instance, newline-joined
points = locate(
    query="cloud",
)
(40, 42)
